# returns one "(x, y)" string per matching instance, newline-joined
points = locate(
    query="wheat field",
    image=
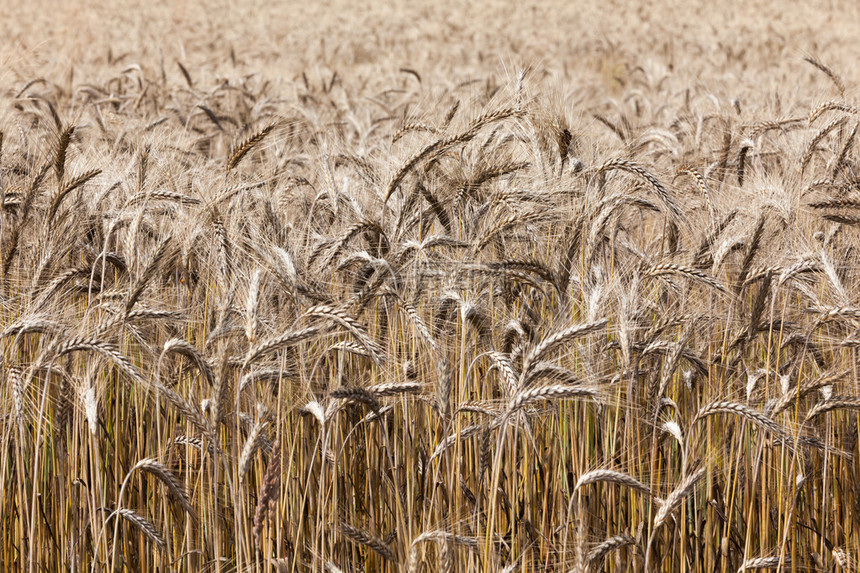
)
(421, 287)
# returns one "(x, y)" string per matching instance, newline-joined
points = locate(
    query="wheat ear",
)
(240, 150)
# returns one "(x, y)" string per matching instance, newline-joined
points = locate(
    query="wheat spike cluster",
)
(509, 287)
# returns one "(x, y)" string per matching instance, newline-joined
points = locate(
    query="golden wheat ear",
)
(828, 71)
(242, 148)
(61, 148)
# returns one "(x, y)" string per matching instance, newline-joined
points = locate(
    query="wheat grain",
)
(144, 526)
(595, 476)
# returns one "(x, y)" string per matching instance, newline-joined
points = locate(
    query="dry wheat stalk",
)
(268, 375)
(595, 476)
(834, 403)
(251, 444)
(441, 145)
(67, 188)
(598, 552)
(727, 407)
(395, 388)
(187, 409)
(766, 563)
(550, 373)
(552, 342)
(16, 381)
(157, 469)
(800, 390)
(241, 149)
(837, 81)
(843, 558)
(550, 392)
(111, 352)
(832, 105)
(60, 151)
(144, 526)
(361, 395)
(509, 376)
(693, 273)
(816, 139)
(269, 492)
(661, 191)
(677, 496)
(287, 339)
(160, 256)
(370, 541)
(184, 348)
(343, 318)
(703, 187)
(455, 437)
(442, 537)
